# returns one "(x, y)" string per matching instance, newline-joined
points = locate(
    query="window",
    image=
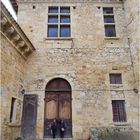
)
(115, 78)
(64, 31)
(65, 19)
(53, 10)
(110, 31)
(107, 10)
(13, 110)
(59, 22)
(118, 108)
(53, 19)
(64, 9)
(109, 22)
(108, 19)
(52, 31)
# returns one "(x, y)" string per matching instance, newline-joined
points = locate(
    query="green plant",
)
(18, 138)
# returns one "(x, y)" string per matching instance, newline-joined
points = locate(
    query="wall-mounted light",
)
(23, 91)
(135, 90)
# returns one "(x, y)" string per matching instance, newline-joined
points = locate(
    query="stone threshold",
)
(59, 139)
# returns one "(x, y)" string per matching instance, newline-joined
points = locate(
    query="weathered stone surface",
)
(85, 61)
(114, 133)
(12, 78)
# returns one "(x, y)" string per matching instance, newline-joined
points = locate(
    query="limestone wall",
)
(132, 16)
(12, 71)
(85, 61)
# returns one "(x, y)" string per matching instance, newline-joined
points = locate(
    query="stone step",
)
(59, 139)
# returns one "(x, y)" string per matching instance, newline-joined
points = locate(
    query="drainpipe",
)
(132, 66)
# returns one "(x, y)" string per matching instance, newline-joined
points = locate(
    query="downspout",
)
(132, 66)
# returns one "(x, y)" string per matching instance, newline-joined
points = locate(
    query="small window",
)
(64, 31)
(110, 31)
(53, 19)
(53, 31)
(119, 113)
(65, 19)
(53, 10)
(65, 10)
(108, 10)
(115, 78)
(13, 110)
(108, 19)
(109, 22)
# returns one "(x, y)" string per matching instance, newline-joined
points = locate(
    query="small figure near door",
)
(54, 128)
(62, 128)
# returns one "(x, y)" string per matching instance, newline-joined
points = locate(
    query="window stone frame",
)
(59, 24)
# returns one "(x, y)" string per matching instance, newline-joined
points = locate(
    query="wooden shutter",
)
(119, 114)
(115, 78)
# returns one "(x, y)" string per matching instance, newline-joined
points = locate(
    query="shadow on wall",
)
(114, 133)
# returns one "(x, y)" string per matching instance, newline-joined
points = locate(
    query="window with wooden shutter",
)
(118, 108)
(115, 78)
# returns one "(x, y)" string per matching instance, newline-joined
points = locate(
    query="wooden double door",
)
(58, 106)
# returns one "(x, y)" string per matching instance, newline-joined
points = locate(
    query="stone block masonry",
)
(85, 60)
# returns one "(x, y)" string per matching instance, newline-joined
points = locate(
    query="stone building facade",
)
(15, 50)
(95, 68)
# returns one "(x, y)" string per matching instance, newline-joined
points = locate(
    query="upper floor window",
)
(59, 22)
(115, 78)
(107, 10)
(109, 22)
(119, 113)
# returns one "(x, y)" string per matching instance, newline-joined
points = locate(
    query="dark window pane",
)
(65, 19)
(118, 108)
(110, 31)
(115, 79)
(53, 10)
(65, 31)
(65, 10)
(53, 19)
(12, 109)
(52, 31)
(108, 10)
(108, 19)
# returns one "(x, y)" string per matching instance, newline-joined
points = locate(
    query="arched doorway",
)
(58, 106)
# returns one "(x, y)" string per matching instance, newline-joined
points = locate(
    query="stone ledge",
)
(14, 34)
(14, 125)
(75, 1)
(114, 133)
(60, 38)
(111, 38)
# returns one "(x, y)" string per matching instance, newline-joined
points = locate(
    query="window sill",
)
(59, 38)
(116, 84)
(111, 38)
(121, 123)
(14, 125)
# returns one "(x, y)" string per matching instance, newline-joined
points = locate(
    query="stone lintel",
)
(75, 1)
(11, 30)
